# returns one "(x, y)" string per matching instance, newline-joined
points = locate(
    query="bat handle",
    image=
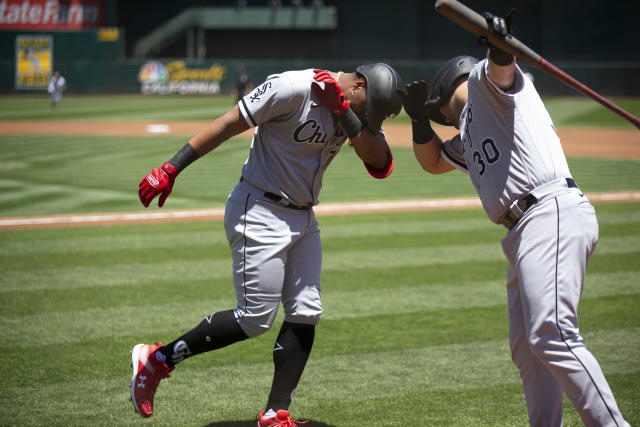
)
(548, 67)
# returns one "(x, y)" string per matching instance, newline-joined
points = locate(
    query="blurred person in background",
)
(57, 85)
(243, 83)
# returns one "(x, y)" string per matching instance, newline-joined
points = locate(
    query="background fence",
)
(594, 41)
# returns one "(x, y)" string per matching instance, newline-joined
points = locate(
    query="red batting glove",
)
(159, 181)
(330, 93)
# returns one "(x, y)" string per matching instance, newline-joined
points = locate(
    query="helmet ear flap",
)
(383, 100)
(446, 81)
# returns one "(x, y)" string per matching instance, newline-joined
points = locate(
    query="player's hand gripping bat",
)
(477, 24)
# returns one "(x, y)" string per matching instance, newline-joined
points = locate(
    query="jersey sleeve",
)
(452, 152)
(268, 101)
(482, 77)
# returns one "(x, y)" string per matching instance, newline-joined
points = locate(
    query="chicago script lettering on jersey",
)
(309, 132)
(260, 91)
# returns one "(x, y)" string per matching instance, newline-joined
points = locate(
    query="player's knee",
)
(254, 324)
(306, 309)
(544, 346)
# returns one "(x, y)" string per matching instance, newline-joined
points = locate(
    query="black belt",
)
(279, 199)
(524, 203)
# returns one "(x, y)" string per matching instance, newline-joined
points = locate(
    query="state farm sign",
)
(51, 14)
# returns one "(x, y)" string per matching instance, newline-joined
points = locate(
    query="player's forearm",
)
(503, 73)
(218, 131)
(371, 149)
(430, 156)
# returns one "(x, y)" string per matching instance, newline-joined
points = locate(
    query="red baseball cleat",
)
(282, 419)
(147, 373)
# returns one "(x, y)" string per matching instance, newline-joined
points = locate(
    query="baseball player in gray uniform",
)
(301, 120)
(510, 149)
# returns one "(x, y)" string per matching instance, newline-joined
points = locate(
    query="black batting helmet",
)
(383, 100)
(443, 83)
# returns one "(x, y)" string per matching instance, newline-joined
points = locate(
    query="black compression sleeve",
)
(184, 157)
(499, 56)
(350, 123)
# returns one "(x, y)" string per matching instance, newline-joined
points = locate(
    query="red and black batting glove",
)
(159, 181)
(330, 93)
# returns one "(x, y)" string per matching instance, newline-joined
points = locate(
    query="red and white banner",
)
(51, 14)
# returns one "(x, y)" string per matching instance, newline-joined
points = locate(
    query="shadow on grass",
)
(253, 423)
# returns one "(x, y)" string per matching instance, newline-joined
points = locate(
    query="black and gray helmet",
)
(383, 100)
(444, 83)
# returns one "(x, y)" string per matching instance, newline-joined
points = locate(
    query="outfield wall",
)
(99, 75)
(93, 61)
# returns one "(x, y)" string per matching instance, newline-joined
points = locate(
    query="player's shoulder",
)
(297, 77)
(297, 81)
(479, 76)
(478, 70)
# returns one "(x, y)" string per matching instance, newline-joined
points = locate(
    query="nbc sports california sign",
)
(177, 78)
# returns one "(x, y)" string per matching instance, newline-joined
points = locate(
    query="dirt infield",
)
(583, 142)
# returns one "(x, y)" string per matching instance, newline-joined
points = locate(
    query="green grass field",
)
(415, 324)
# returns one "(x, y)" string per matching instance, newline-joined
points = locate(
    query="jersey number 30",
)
(488, 154)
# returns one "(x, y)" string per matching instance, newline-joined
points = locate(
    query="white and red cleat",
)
(147, 373)
(282, 419)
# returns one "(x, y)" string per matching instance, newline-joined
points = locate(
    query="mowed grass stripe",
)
(346, 336)
(144, 272)
(75, 325)
(409, 299)
(239, 388)
(94, 164)
(365, 279)
(214, 233)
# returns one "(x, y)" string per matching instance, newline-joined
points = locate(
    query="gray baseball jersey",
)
(507, 142)
(276, 248)
(295, 140)
(510, 149)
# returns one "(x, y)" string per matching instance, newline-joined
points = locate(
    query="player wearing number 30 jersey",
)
(511, 151)
(301, 120)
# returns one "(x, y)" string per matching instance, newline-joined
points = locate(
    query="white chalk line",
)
(322, 209)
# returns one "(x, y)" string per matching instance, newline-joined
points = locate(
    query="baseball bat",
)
(475, 23)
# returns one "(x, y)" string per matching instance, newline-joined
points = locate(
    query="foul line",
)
(347, 208)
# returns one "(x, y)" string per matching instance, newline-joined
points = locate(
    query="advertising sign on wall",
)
(44, 15)
(177, 78)
(34, 56)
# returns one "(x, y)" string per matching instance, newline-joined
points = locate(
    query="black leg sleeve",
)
(290, 355)
(216, 331)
